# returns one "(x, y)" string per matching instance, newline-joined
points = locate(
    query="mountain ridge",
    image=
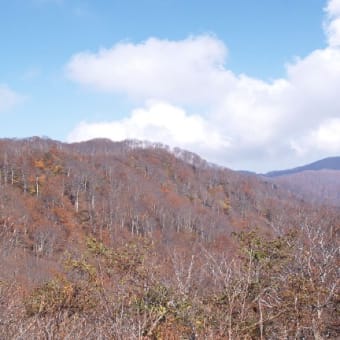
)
(329, 163)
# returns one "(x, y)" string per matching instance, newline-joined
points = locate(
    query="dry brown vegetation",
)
(103, 240)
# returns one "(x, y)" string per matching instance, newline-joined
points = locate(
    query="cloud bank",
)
(247, 122)
(187, 71)
(158, 121)
(332, 23)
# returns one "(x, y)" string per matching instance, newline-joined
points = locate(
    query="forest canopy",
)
(128, 241)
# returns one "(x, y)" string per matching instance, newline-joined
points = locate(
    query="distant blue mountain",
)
(330, 163)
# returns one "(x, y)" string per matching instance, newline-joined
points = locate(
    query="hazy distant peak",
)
(330, 163)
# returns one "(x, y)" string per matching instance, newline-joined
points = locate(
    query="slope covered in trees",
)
(318, 182)
(320, 187)
(127, 240)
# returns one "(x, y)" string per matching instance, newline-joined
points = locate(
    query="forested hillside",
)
(319, 187)
(317, 182)
(103, 240)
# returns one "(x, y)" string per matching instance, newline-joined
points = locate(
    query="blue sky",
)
(211, 76)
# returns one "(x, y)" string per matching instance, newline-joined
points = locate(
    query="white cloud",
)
(8, 98)
(324, 139)
(332, 23)
(189, 70)
(251, 112)
(333, 8)
(156, 122)
(248, 122)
